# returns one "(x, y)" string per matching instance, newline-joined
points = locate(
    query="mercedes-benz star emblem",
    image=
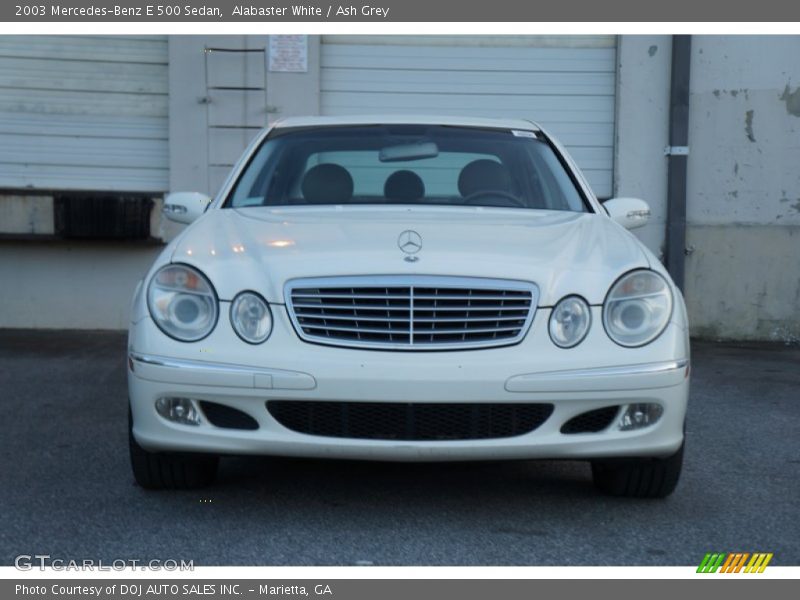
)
(410, 242)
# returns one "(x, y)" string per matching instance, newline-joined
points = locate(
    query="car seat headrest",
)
(327, 184)
(403, 186)
(483, 175)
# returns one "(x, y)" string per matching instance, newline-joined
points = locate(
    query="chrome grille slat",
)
(354, 296)
(473, 298)
(328, 317)
(470, 308)
(360, 307)
(466, 330)
(465, 319)
(411, 312)
(360, 329)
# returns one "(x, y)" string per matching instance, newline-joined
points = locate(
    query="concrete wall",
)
(743, 202)
(743, 196)
(640, 167)
(293, 94)
(188, 132)
(70, 285)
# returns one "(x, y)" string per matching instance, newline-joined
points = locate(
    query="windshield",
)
(406, 164)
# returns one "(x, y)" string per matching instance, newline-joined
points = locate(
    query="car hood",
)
(261, 248)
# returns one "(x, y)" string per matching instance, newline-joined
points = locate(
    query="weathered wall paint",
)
(26, 214)
(640, 167)
(743, 282)
(743, 204)
(792, 100)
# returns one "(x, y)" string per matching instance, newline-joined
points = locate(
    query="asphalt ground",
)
(66, 488)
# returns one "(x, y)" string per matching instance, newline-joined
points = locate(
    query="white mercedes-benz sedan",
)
(412, 289)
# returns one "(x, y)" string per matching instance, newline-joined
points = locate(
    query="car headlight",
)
(570, 321)
(637, 308)
(251, 317)
(182, 302)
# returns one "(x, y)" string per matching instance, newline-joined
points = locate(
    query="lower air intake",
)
(226, 417)
(592, 421)
(407, 421)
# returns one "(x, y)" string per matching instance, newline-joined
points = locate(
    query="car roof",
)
(454, 121)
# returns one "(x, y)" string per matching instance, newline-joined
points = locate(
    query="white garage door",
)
(565, 83)
(87, 113)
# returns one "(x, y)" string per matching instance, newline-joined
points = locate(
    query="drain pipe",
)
(678, 155)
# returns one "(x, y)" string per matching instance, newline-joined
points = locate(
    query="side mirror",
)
(185, 207)
(628, 212)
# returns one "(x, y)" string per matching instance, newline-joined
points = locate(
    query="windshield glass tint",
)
(405, 164)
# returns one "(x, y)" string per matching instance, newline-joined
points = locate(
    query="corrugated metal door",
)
(84, 113)
(566, 83)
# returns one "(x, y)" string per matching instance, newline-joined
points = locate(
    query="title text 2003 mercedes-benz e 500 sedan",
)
(406, 288)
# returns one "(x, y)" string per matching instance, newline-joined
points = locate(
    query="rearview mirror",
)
(628, 212)
(185, 207)
(409, 152)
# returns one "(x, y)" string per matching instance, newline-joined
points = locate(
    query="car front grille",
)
(411, 313)
(409, 421)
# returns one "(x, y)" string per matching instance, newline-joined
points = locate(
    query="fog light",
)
(637, 416)
(178, 410)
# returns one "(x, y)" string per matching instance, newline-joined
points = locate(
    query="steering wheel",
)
(474, 196)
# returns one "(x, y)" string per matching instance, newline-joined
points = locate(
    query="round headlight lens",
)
(570, 321)
(182, 302)
(251, 317)
(637, 308)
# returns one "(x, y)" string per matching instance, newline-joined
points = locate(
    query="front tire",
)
(638, 477)
(166, 470)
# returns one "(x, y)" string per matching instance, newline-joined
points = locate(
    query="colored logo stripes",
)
(734, 562)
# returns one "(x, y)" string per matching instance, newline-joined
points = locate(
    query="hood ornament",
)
(410, 242)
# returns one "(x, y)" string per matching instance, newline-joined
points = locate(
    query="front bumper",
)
(608, 376)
